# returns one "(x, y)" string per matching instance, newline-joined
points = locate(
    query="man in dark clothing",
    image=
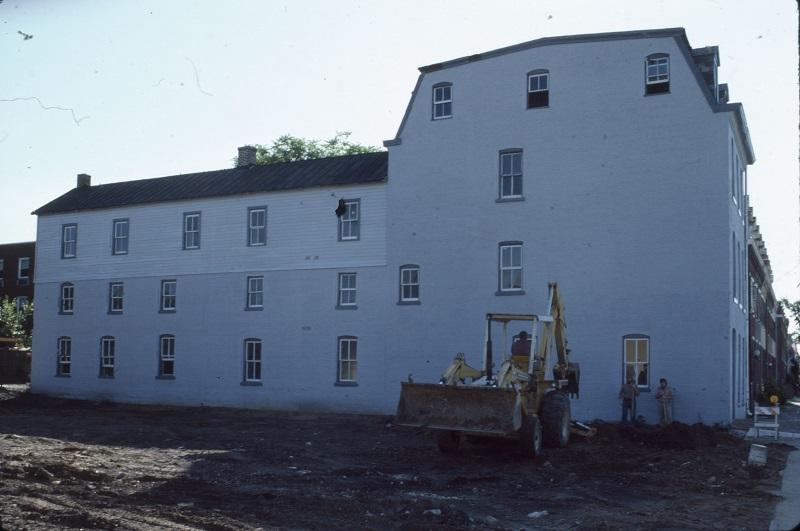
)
(628, 395)
(522, 346)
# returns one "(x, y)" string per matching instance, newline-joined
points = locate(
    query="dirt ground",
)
(73, 464)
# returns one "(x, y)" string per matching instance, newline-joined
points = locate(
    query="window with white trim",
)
(169, 295)
(67, 297)
(734, 269)
(119, 243)
(69, 240)
(166, 355)
(23, 271)
(191, 230)
(349, 222)
(442, 101)
(409, 283)
(252, 360)
(108, 352)
(636, 359)
(256, 226)
(511, 267)
(116, 292)
(64, 356)
(255, 292)
(347, 359)
(347, 289)
(538, 89)
(657, 73)
(511, 174)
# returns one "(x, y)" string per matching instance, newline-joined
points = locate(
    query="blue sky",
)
(141, 89)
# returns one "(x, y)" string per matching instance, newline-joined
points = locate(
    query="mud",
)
(73, 464)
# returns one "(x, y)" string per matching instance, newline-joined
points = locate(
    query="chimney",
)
(84, 180)
(247, 156)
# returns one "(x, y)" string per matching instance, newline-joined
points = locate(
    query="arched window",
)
(657, 73)
(538, 88)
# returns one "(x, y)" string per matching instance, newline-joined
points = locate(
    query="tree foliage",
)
(793, 308)
(288, 148)
(13, 322)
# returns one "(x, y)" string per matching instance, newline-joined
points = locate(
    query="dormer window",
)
(538, 89)
(657, 73)
(442, 101)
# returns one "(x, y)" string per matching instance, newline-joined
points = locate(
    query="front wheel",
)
(530, 436)
(448, 441)
(556, 419)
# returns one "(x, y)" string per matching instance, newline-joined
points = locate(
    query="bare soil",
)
(76, 464)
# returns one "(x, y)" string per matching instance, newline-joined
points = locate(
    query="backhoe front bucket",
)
(479, 410)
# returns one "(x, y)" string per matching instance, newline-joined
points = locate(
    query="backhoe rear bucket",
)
(479, 410)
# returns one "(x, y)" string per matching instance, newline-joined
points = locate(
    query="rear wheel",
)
(448, 441)
(556, 418)
(530, 436)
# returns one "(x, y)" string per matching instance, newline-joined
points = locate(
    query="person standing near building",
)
(628, 395)
(664, 396)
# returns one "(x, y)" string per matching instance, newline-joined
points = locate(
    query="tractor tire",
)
(530, 436)
(555, 415)
(448, 441)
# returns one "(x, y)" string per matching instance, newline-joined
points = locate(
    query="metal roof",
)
(332, 171)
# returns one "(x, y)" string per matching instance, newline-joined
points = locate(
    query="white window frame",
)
(23, 280)
(511, 175)
(167, 298)
(636, 365)
(408, 285)
(166, 354)
(108, 354)
(252, 360)
(191, 230)
(347, 359)
(64, 356)
(69, 240)
(347, 292)
(657, 78)
(508, 266)
(441, 100)
(350, 221)
(120, 231)
(116, 292)
(538, 82)
(67, 297)
(255, 292)
(256, 230)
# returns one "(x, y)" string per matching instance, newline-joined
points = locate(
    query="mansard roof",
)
(332, 171)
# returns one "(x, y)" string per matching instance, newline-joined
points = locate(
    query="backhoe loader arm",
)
(555, 327)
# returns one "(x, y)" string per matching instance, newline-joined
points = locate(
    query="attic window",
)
(657, 74)
(538, 89)
(442, 101)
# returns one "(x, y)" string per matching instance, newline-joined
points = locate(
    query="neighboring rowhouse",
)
(610, 163)
(16, 271)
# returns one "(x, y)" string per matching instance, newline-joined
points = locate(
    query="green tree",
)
(13, 321)
(288, 148)
(794, 310)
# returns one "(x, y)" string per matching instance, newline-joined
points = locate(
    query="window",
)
(20, 303)
(511, 174)
(347, 359)
(256, 226)
(252, 360)
(108, 348)
(511, 267)
(734, 269)
(657, 73)
(69, 240)
(255, 293)
(347, 290)
(169, 295)
(64, 356)
(191, 230)
(733, 173)
(2, 272)
(349, 222)
(166, 355)
(538, 89)
(23, 271)
(67, 298)
(119, 240)
(442, 101)
(115, 296)
(409, 283)
(637, 359)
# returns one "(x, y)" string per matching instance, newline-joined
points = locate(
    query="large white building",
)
(610, 163)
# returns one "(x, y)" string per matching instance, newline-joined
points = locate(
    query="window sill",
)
(254, 309)
(251, 384)
(115, 313)
(62, 375)
(66, 313)
(165, 377)
(256, 244)
(409, 303)
(537, 107)
(106, 377)
(191, 248)
(506, 293)
(509, 199)
(345, 384)
(646, 95)
(436, 119)
(69, 257)
(347, 307)
(349, 239)
(119, 254)
(167, 311)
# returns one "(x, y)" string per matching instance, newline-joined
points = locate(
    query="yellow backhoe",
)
(517, 401)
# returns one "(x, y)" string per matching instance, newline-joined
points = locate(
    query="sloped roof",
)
(331, 171)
